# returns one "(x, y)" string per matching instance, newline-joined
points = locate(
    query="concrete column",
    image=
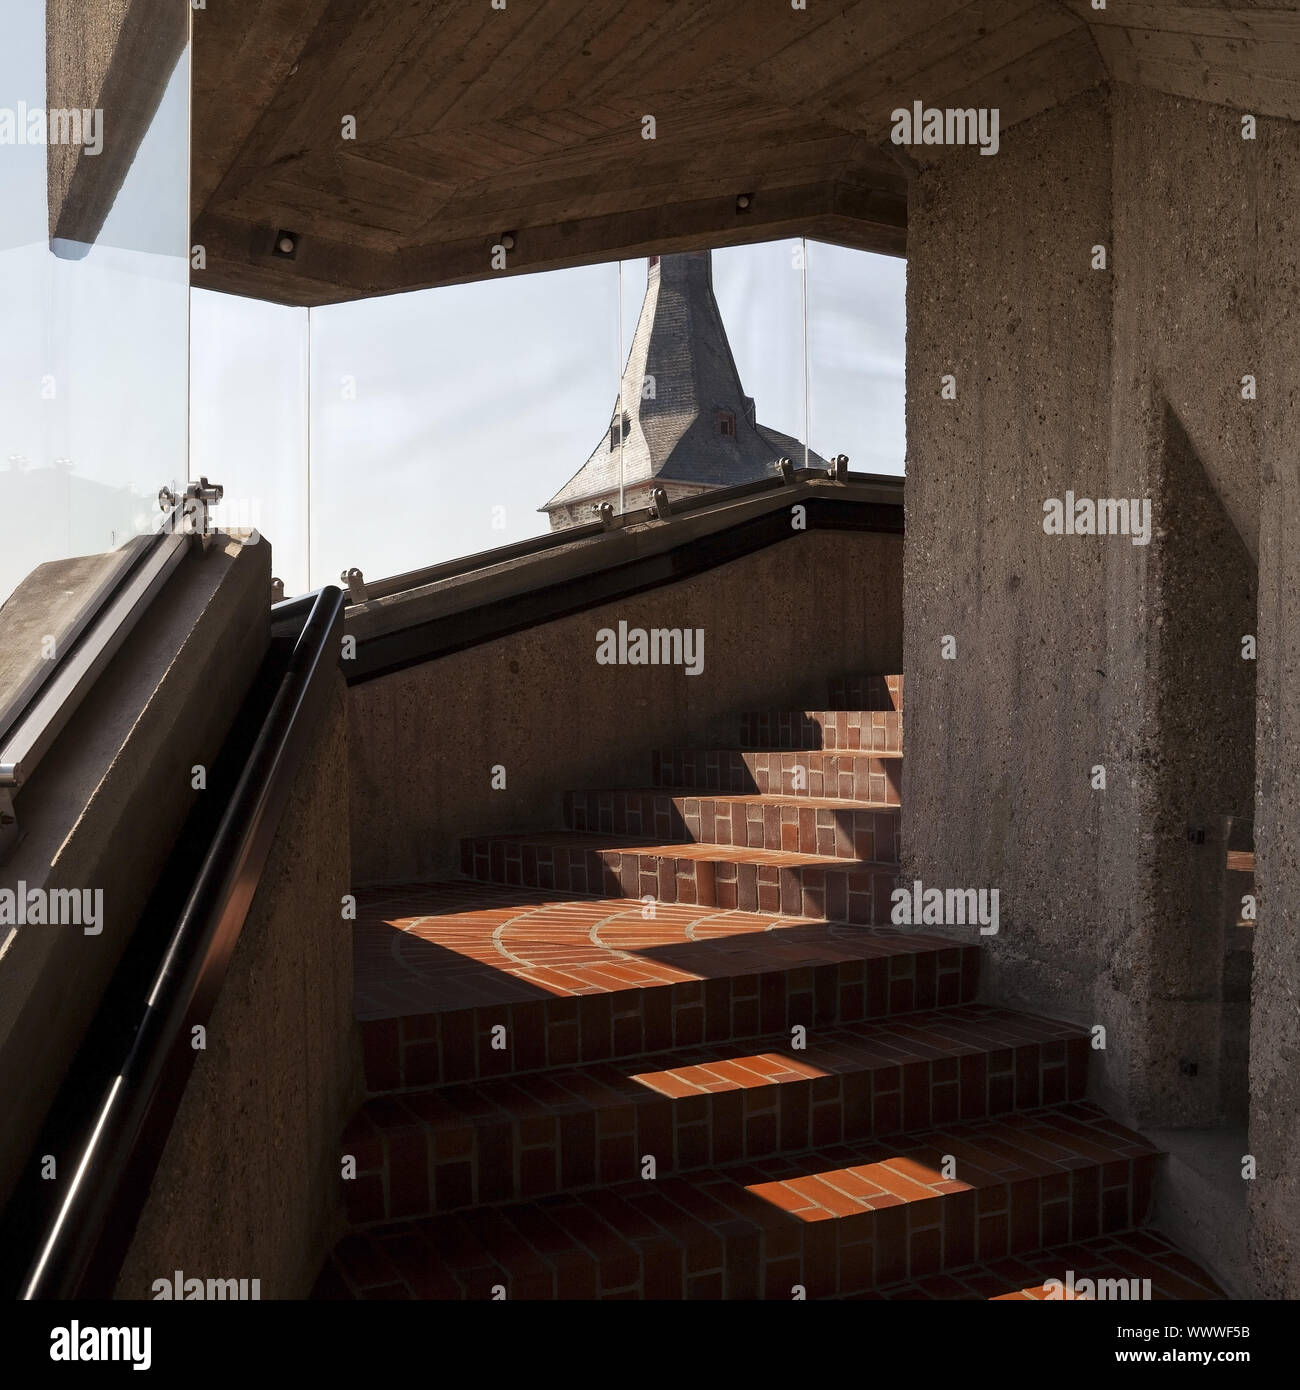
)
(1274, 1196)
(1081, 652)
(1002, 737)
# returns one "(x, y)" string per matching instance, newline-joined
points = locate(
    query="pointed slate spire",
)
(687, 423)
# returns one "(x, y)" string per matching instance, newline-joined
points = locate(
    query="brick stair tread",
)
(885, 690)
(426, 1150)
(789, 1219)
(688, 849)
(852, 774)
(700, 752)
(812, 803)
(847, 718)
(1144, 1254)
(790, 712)
(450, 945)
(766, 1060)
(810, 886)
(816, 730)
(866, 831)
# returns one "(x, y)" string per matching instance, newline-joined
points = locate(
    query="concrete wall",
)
(248, 1186)
(117, 778)
(1082, 651)
(1275, 1020)
(777, 627)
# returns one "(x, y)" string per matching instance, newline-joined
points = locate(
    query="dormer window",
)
(617, 436)
(727, 423)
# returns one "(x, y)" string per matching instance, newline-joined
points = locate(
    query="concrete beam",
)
(115, 56)
(242, 260)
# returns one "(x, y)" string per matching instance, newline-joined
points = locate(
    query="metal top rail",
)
(608, 521)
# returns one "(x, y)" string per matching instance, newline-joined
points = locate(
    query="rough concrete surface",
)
(249, 1183)
(38, 619)
(103, 808)
(1075, 652)
(1274, 1197)
(1001, 739)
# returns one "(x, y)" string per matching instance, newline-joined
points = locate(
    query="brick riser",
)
(874, 730)
(863, 777)
(839, 832)
(875, 980)
(866, 692)
(837, 1222)
(510, 1140)
(833, 891)
(1128, 1255)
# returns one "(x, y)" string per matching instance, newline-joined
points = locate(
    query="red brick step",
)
(511, 1139)
(866, 692)
(751, 880)
(806, 825)
(869, 778)
(439, 966)
(1130, 1255)
(878, 730)
(841, 1220)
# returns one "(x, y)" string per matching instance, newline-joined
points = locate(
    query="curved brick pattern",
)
(1134, 1255)
(802, 825)
(509, 1139)
(835, 1221)
(871, 778)
(752, 880)
(873, 730)
(439, 966)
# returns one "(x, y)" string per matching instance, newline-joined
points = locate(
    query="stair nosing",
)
(708, 794)
(626, 844)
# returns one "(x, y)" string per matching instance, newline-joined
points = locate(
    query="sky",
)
(437, 422)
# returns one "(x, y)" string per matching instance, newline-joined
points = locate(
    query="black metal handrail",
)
(121, 1136)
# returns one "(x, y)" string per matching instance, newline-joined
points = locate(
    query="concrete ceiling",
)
(472, 122)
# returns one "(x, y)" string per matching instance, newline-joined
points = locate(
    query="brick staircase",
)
(670, 1051)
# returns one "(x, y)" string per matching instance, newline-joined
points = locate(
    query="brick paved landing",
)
(427, 947)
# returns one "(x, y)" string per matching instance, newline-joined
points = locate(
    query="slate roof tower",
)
(687, 424)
